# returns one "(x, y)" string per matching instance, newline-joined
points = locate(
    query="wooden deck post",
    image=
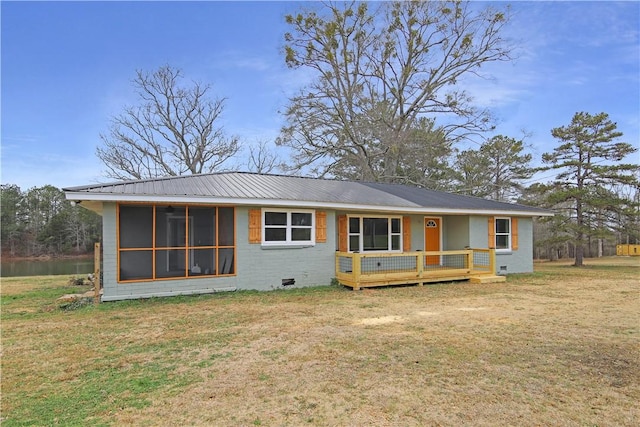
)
(97, 283)
(357, 269)
(420, 267)
(492, 261)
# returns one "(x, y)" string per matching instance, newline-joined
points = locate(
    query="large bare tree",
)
(175, 130)
(378, 72)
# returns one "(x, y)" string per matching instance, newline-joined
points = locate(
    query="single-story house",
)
(226, 231)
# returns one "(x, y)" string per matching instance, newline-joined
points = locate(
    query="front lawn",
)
(556, 347)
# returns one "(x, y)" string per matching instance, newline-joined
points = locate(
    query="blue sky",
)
(67, 68)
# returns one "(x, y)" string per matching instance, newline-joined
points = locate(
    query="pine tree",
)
(588, 157)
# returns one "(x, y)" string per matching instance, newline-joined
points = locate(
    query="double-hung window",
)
(375, 234)
(503, 234)
(288, 227)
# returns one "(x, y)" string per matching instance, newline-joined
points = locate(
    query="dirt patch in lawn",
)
(380, 320)
(556, 347)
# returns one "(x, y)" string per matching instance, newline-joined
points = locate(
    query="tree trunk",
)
(580, 233)
(600, 248)
(579, 256)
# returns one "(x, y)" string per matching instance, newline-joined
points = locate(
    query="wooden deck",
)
(358, 270)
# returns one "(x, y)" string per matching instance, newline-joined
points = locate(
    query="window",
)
(374, 234)
(503, 234)
(162, 242)
(283, 227)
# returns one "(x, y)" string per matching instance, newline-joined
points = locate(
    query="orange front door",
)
(432, 239)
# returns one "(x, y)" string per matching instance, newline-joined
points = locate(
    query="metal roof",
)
(431, 198)
(279, 190)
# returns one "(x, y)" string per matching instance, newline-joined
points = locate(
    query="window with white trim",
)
(288, 227)
(503, 234)
(382, 234)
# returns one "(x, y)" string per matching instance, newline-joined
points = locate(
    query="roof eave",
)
(415, 209)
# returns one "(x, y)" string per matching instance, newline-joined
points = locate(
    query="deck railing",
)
(378, 269)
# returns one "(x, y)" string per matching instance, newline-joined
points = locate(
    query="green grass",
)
(93, 394)
(85, 390)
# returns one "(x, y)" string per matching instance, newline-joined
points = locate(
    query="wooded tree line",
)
(40, 221)
(387, 104)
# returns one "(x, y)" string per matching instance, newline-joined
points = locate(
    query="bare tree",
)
(262, 159)
(174, 130)
(380, 72)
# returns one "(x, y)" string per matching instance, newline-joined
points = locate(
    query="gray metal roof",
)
(431, 198)
(246, 188)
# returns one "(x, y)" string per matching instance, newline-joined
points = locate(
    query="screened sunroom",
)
(158, 242)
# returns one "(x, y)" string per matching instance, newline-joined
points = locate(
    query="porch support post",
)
(97, 283)
(420, 267)
(356, 270)
(492, 261)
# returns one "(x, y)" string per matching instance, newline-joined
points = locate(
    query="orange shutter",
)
(406, 234)
(321, 227)
(514, 234)
(342, 233)
(255, 226)
(492, 232)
